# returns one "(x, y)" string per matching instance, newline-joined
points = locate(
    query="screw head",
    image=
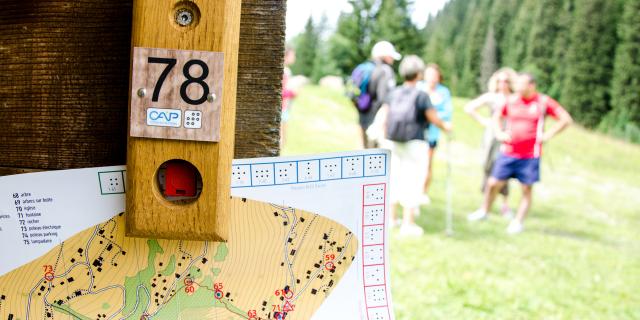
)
(184, 17)
(142, 92)
(211, 97)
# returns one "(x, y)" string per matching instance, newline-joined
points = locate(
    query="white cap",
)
(385, 49)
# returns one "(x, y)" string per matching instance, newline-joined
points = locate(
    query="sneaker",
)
(477, 215)
(515, 227)
(411, 230)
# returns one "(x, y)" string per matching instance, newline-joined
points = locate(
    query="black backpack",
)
(402, 121)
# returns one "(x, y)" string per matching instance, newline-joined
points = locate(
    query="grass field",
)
(579, 257)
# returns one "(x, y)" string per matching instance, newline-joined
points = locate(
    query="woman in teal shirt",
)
(441, 98)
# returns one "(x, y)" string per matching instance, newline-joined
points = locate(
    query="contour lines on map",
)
(278, 263)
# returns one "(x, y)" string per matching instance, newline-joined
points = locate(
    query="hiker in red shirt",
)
(521, 147)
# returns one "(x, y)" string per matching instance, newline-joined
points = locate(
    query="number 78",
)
(186, 69)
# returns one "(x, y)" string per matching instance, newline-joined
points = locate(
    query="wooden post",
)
(262, 37)
(205, 26)
(64, 77)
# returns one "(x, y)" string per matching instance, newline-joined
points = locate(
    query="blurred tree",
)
(625, 88)
(570, 45)
(562, 42)
(305, 45)
(517, 36)
(473, 48)
(460, 75)
(441, 34)
(323, 64)
(590, 61)
(351, 42)
(489, 59)
(540, 47)
(393, 23)
(502, 16)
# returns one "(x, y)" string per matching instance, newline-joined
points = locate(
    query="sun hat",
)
(385, 49)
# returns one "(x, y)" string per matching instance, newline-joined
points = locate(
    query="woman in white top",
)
(500, 88)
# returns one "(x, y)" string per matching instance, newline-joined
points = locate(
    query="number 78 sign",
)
(176, 94)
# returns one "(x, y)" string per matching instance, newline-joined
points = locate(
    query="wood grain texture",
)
(148, 213)
(63, 83)
(146, 75)
(67, 62)
(262, 38)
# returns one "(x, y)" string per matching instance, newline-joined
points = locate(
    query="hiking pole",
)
(449, 189)
(548, 156)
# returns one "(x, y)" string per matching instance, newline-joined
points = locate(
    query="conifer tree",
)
(437, 49)
(473, 50)
(570, 45)
(590, 61)
(351, 42)
(489, 59)
(565, 19)
(625, 89)
(502, 15)
(540, 49)
(305, 45)
(517, 37)
(467, 21)
(393, 24)
(323, 65)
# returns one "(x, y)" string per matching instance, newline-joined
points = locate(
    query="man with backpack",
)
(406, 114)
(373, 80)
(521, 147)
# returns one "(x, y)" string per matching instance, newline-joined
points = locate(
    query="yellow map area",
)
(279, 263)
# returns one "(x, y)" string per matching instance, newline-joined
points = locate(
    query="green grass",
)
(579, 257)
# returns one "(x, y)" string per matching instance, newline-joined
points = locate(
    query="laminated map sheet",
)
(308, 240)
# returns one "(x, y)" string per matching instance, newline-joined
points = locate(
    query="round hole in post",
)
(185, 15)
(178, 181)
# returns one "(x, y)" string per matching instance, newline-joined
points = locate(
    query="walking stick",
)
(449, 189)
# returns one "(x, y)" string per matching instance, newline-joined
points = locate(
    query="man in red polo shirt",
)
(522, 139)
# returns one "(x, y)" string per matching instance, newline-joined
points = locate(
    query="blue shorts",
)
(527, 171)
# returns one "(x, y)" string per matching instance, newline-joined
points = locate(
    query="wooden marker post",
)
(182, 118)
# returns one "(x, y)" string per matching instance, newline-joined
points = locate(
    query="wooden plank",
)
(58, 68)
(262, 39)
(148, 214)
(63, 83)
(9, 171)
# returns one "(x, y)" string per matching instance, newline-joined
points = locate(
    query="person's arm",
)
(424, 106)
(496, 123)
(564, 120)
(382, 113)
(432, 116)
(471, 108)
